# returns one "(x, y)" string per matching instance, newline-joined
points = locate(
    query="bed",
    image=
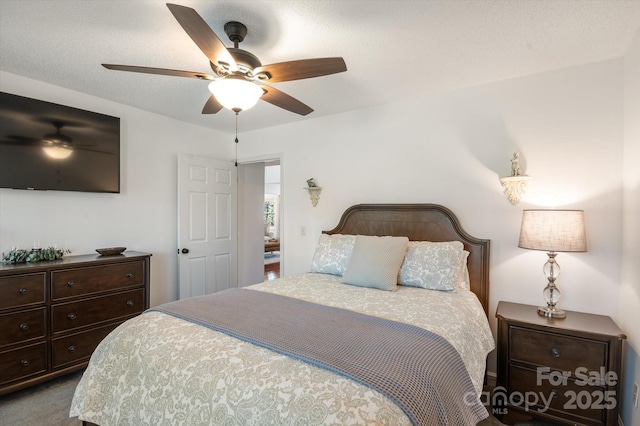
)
(163, 368)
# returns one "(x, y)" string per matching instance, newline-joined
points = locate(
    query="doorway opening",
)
(272, 220)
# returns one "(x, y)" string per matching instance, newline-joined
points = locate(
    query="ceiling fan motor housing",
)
(246, 61)
(236, 31)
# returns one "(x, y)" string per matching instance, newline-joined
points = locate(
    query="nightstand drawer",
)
(67, 316)
(79, 346)
(21, 326)
(22, 290)
(556, 351)
(23, 362)
(95, 279)
(580, 403)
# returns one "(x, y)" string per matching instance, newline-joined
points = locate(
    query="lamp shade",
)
(236, 94)
(553, 230)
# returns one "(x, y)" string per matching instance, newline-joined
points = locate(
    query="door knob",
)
(185, 250)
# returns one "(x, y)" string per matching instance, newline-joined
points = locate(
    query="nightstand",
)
(562, 370)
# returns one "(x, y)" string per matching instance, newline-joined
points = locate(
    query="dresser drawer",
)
(581, 403)
(20, 326)
(78, 347)
(21, 290)
(23, 362)
(67, 316)
(556, 351)
(81, 281)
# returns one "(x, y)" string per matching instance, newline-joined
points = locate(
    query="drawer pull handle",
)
(70, 283)
(71, 316)
(129, 275)
(71, 348)
(25, 362)
(129, 303)
(22, 291)
(24, 327)
(555, 352)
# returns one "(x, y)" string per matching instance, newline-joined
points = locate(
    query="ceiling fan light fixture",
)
(57, 152)
(236, 94)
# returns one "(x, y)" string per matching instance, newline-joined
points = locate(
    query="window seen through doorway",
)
(271, 209)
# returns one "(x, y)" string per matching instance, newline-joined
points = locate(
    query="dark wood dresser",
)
(574, 363)
(53, 314)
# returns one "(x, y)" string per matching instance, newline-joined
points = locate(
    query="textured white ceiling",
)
(394, 49)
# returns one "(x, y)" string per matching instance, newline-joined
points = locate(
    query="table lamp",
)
(552, 231)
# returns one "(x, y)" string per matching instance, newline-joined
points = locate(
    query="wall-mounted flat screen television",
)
(46, 146)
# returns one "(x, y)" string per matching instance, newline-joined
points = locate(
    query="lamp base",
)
(551, 312)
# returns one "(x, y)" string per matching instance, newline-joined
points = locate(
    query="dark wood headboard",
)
(421, 222)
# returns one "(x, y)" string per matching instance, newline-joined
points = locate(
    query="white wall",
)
(450, 149)
(272, 180)
(142, 217)
(630, 289)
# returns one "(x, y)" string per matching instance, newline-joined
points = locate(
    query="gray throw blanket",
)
(418, 370)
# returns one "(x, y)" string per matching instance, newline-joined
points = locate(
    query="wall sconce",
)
(314, 191)
(515, 185)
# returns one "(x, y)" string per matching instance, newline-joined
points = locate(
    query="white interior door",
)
(207, 225)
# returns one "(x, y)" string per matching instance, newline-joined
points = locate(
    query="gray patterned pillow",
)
(465, 281)
(435, 266)
(375, 262)
(332, 254)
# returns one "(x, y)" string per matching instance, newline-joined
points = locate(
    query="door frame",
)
(267, 158)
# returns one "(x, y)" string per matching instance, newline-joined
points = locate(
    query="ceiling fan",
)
(237, 71)
(56, 145)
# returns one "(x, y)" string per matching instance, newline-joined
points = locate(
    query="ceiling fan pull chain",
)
(237, 138)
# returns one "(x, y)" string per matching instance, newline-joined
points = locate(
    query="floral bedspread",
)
(159, 370)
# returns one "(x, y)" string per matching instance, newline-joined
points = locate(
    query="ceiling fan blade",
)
(304, 68)
(202, 35)
(21, 140)
(212, 106)
(282, 100)
(92, 150)
(159, 71)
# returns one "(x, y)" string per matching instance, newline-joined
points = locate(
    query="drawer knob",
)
(71, 316)
(71, 348)
(70, 283)
(555, 352)
(129, 303)
(129, 275)
(24, 327)
(22, 291)
(25, 362)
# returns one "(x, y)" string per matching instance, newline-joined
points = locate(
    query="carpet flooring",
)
(46, 404)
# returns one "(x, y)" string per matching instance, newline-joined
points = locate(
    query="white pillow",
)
(434, 266)
(332, 254)
(375, 262)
